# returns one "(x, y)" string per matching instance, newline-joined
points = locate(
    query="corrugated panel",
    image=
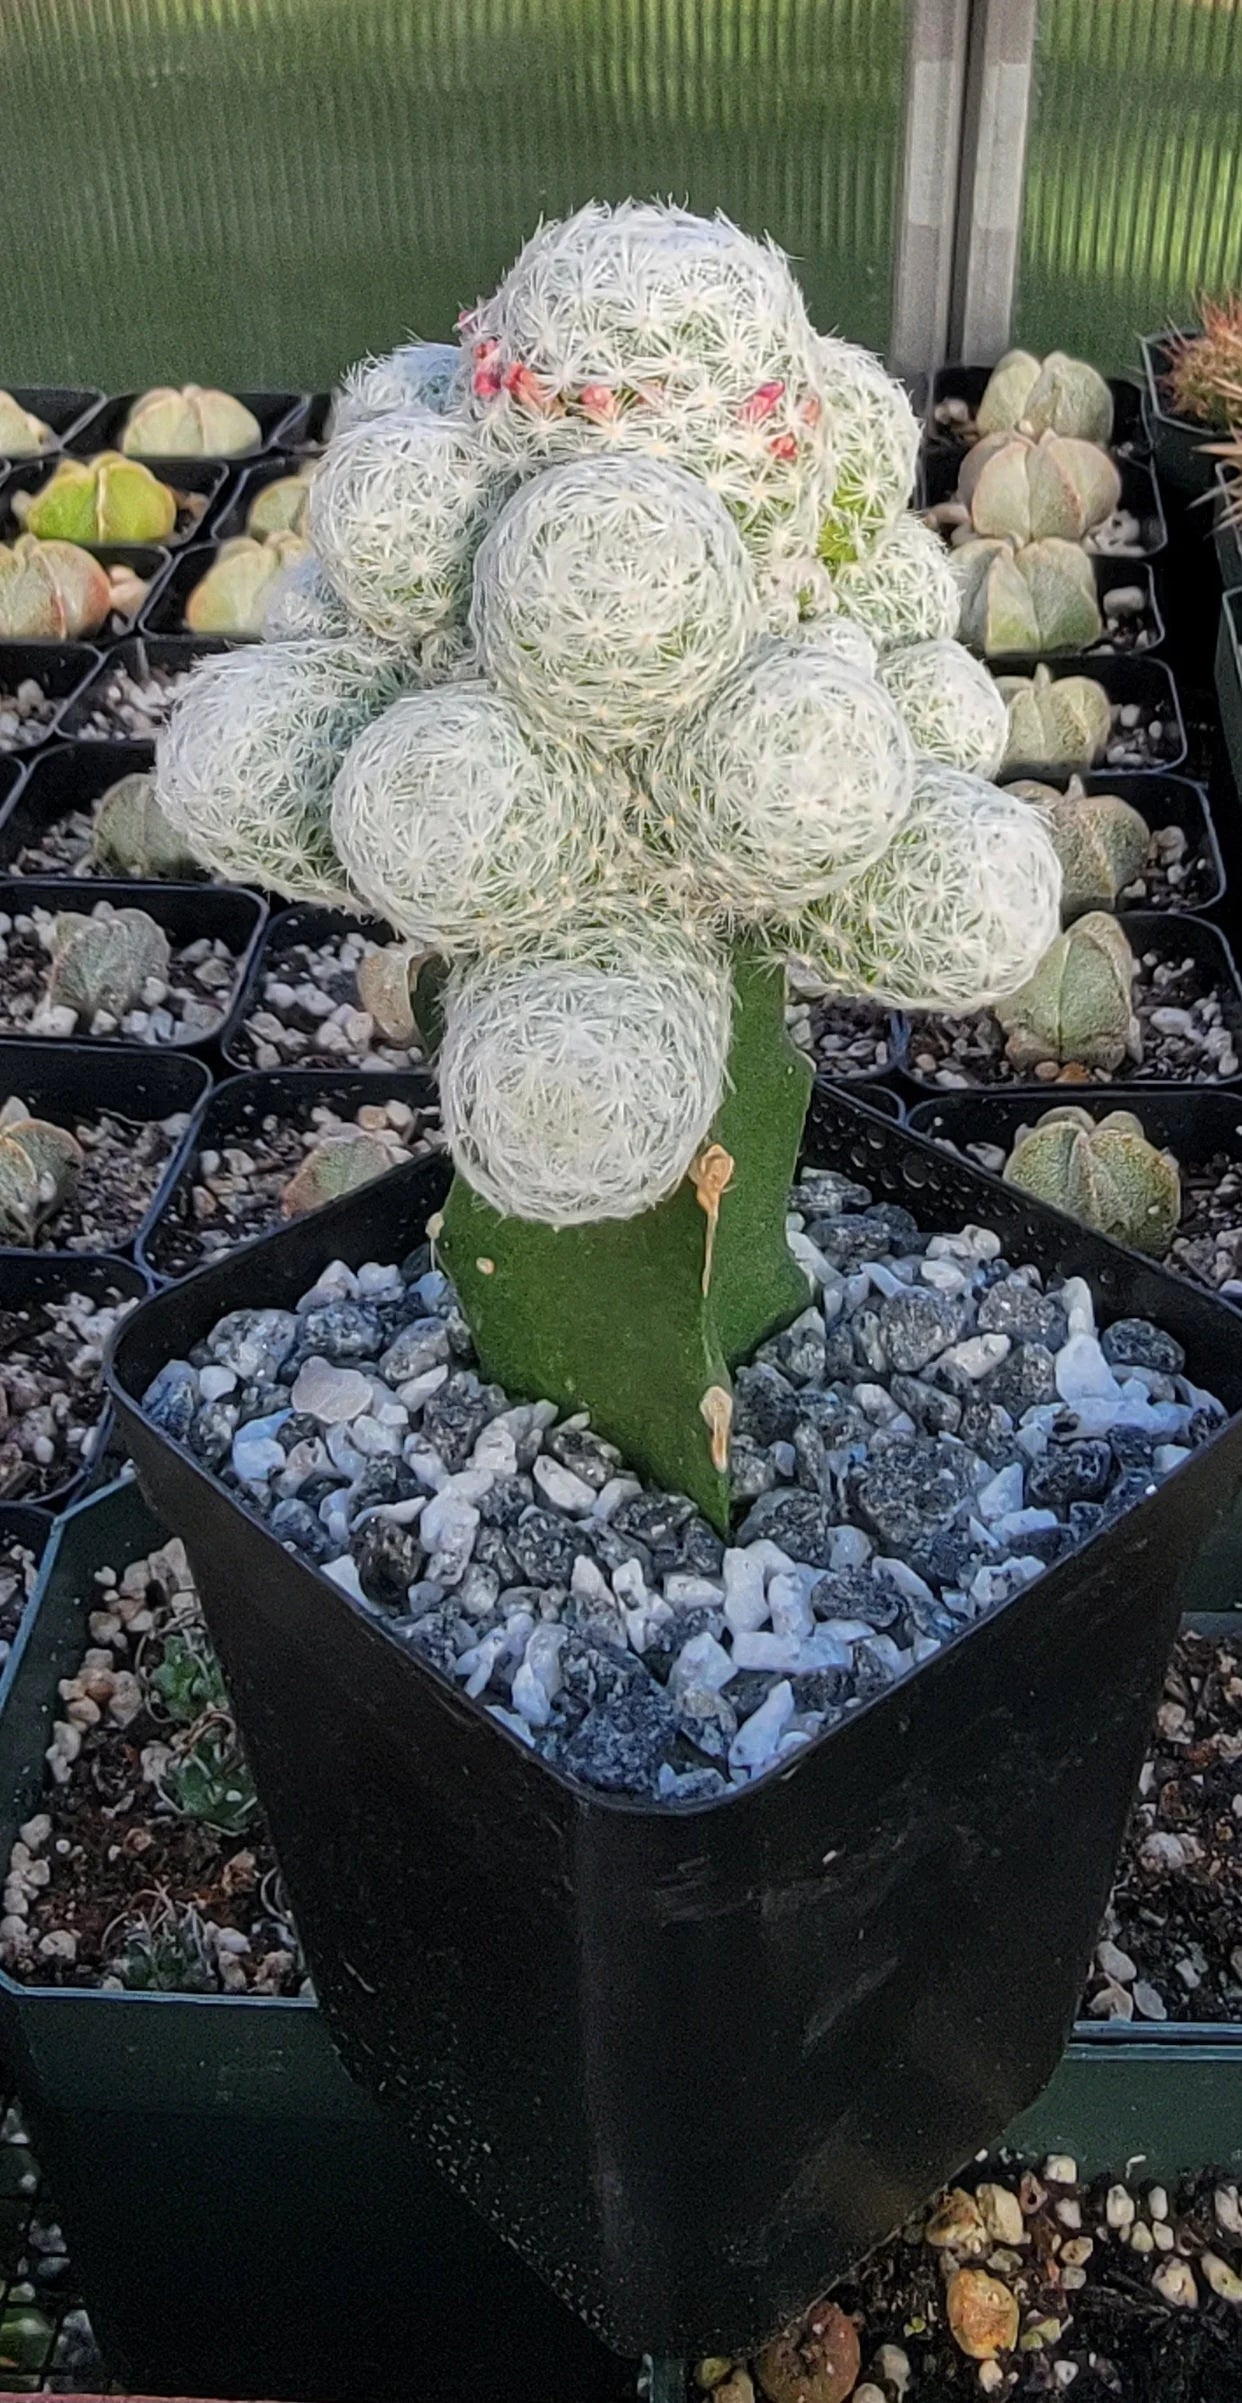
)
(1134, 170)
(259, 190)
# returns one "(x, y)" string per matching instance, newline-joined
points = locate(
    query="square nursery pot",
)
(276, 412)
(239, 1106)
(1195, 1126)
(1229, 679)
(28, 1279)
(241, 2218)
(1140, 493)
(60, 669)
(1172, 936)
(1145, 625)
(63, 780)
(695, 2060)
(1162, 800)
(68, 409)
(22, 1525)
(306, 922)
(138, 658)
(187, 913)
(1177, 442)
(70, 1083)
(198, 484)
(1139, 682)
(1228, 538)
(163, 612)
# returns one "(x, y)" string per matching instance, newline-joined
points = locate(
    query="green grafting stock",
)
(638, 1321)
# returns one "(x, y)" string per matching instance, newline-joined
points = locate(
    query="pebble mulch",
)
(1186, 1038)
(192, 1000)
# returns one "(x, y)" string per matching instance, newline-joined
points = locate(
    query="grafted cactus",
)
(193, 423)
(102, 500)
(132, 837)
(1041, 597)
(51, 592)
(1101, 842)
(949, 705)
(22, 434)
(39, 1167)
(1078, 1006)
(1057, 395)
(234, 594)
(101, 963)
(626, 753)
(1102, 1171)
(1026, 490)
(1055, 721)
(419, 375)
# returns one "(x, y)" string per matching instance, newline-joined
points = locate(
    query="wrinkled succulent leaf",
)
(132, 836)
(103, 963)
(1005, 399)
(340, 1164)
(161, 424)
(1078, 1005)
(1069, 397)
(1102, 845)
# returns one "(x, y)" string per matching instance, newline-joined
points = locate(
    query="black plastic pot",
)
(28, 1279)
(1111, 575)
(185, 911)
(1171, 934)
(137, 657)
(1143, 680)
(232, 518)
(1194, 1125)
(1162, 800)
(70, 1083)
(740, 2042)
(204, 479)
(1177, 442)
(241, 2219)
(67, 408)
(239, 1105)
(310, 432)
(960, 382)
(1228, 538)
(1139, 494)
(61, 779)
(1229, 679)
(306, 922)
(63, 669)
(26, 1524)
(12, 777)
(276, 412)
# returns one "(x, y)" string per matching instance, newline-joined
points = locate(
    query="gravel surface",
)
(128, 709)
(18, 1569)
(51, 1390)
(305, 1011)
(25, 714)
(234, 1192)
(192, 1001)
(123, 1160)
(1187, 1028)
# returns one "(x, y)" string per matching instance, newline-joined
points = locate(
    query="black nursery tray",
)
(63, 780)
(187, 912)
(72, 1083)
(136, 658)
(1172, 936)
(62, 669)
(198, 484)
(1144, 681)
(276, 412)
(1228, 537)
(967, 383)
(163, 615)
(850, 1885)
(1177, 442)
(1229, 679)
(27, 1281)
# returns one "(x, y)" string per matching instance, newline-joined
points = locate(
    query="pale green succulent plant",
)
(102, 500)
(51, 591)
(1040, 597)
(193, 423)
(1055, 721)
(1101, 842)
(280, 508)
(103, 962)
(1027, 489)
(132, 837)
(1078, 1005)
(1057, 394)
(22, 435)
(39, 1167)
(1103, 1172)
(232, 597)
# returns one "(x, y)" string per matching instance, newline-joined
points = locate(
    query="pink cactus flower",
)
(761, 404)
(599, 402)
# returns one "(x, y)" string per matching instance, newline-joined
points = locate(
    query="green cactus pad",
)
(612, 1318)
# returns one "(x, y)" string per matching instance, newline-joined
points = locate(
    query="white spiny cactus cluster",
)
(617, 642)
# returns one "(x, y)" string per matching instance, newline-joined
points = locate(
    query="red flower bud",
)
(761, 404)
(599, 402)
(784, 446)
